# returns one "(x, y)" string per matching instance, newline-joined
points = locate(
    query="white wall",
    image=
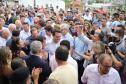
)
(43, 3)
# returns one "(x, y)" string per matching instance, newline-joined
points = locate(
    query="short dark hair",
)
(120, 33)
(41, 39)
(116, 15)
(42, 23)
(48, 28)
(65, 43)
(62, 53)
(20, 76)
(55, 31)
(33, 29)
(15, 33)
(121, 26)
(17, 63)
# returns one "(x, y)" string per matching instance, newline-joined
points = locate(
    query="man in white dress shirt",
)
(65, 33)
(51, 47)
(48, 35)
(101, 73)
(4, 37)
(70, 60)
(25, 33)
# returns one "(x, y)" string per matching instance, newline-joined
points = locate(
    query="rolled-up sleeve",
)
(87, 41)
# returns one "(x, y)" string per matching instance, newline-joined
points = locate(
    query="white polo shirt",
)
(91, 75)
(2, 41)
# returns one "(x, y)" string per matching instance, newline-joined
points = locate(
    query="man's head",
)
(11, 27)
(26, 27)
(78, 27)
(2, 21)
(18, 24)
(105, 63)
(64, 28)
(87, 12)
(17, 63)
(48, 30)
(42, 23)
(20, 76)
(5, 34)
(15, 34)
(98, 37)
(120, 27)
(34, 33)
(65, 43)
(56, 35)
(121, 16)
(115, 16)
(119, 34)
(61, 54)
(104, 21)
(36, 47)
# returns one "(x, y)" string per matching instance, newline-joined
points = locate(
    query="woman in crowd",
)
(5, 65)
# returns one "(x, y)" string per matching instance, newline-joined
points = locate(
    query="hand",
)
(22, 54)
(109, 51)
(35, 73)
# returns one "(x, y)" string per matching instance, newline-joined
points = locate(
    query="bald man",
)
(11, 27)
(101, 73)
(18, 24)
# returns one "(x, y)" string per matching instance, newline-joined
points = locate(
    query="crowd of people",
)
(47, 46)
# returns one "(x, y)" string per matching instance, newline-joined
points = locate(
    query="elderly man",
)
(101, 73)
(65, 33)
(34, 61)
(11, 27)
(18, 24)
(4, 37)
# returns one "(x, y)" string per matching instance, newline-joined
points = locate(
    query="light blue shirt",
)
(81, 45)
(69, 38)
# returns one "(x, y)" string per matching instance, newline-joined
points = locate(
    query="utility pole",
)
(34, 3)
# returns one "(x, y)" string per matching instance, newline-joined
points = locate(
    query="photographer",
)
(117, 56)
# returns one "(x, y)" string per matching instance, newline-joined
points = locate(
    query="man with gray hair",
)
(4, 37)
(36, 47)
(101, 73)
(11, 28)
(34, 61)
(65, 33)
